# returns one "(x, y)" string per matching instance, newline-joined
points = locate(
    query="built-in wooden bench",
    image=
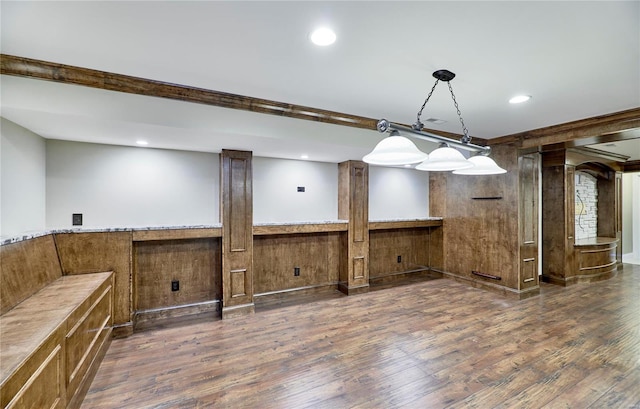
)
(54, 329)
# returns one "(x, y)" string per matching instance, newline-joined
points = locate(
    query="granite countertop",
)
(35, 234)
(300, 222)
(406, 220)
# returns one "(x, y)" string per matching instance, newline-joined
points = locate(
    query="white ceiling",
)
(577, 59)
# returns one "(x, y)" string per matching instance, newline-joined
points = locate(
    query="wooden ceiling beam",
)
(613, 127)
(68, 74)
(604, 128)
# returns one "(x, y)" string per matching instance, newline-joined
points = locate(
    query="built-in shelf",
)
(176, 234)
(595, 241)
(265, 229)
(404, 224)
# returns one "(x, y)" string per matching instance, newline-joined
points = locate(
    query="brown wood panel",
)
(557, 215)
(385, 246)
(82, 253)
(32, 347)
(275, 258)
(25, 268)
(40, 382)
(589, 131)
(85, 336)
(436, 250)
(480, 235)
(435, 344)
(195, 263)
(359, 203)
(593, 257)
(236, 207)
(176, 234)
(275, 229)
(353, 205)
(529, 189)
(607, 201)
(402, 224)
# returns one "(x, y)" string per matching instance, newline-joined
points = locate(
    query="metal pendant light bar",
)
(383, 126)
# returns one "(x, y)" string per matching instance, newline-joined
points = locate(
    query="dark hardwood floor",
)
(431, 344)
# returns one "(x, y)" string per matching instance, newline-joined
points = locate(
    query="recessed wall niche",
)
(586, 202)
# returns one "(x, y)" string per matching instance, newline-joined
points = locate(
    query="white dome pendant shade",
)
(395, 151)
(483, 165)
(445, 159)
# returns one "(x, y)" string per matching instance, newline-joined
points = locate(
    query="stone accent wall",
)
(586, 206)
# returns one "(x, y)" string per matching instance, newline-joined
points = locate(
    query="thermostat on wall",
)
(76, 219)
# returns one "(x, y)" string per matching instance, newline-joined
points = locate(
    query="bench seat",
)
(52, 342)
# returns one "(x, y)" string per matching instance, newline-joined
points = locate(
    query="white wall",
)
(396, 193)
(22, 180)
(275, 195)
(627, 213)
(631, 216)
(117, 186)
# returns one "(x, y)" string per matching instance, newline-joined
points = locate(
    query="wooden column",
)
(528, 167)
(353, 205)
(236, 214)
(558, 218)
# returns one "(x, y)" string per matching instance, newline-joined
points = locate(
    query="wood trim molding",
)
(277, 229)
(632, 166)
(403, 224)
(176, 234)
(598, 129)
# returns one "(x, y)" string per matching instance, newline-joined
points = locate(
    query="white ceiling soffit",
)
(577, 59)
(630, 148)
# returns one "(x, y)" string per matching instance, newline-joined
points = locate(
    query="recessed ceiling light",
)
(304, 156)
(142, 143)
(518, 99)
(323, 36)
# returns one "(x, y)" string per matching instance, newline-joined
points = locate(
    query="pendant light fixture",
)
(446, 157)
(482, 165)
(395, 150)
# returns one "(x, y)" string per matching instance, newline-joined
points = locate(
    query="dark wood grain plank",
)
(442, 344)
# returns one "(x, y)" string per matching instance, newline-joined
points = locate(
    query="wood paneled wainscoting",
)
(175, 278)
(490, 230)
(295, 258)
(402, 249)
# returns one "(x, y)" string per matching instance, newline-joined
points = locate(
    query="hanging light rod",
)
(383, 126)
(400, 150)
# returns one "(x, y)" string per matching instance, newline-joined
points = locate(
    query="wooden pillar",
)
(353, 205)
(528, 168)
(236, 214)
(558, 218)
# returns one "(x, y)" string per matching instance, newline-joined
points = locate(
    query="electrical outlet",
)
(301, 189)
(296, 271)
(175, 285)
(76, 219)
(399, 259)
